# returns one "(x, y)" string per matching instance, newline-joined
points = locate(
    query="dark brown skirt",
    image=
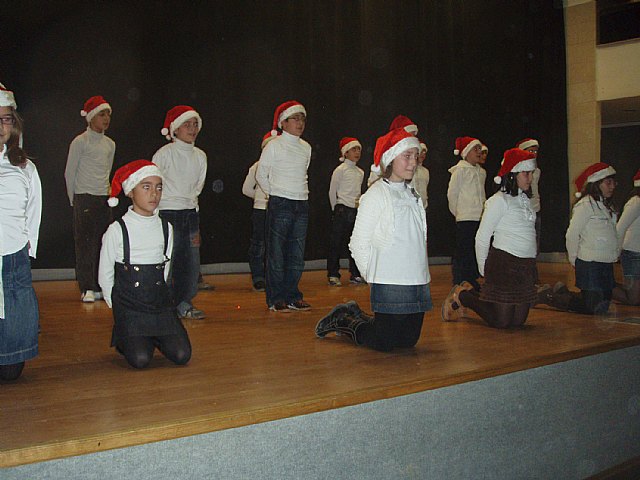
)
(509, 279)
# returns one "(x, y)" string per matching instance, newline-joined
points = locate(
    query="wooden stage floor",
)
(250, 365)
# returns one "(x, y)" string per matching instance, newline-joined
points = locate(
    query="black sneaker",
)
(298, 305)
(357, 281)
(259, 286)
(279, 307)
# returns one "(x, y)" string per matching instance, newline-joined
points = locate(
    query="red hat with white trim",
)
(128, 176)
(7, 99)
(593, 173)
(346, 144)
(464, 145)
(516, 160)
(93, 106)
(527, 143)
(176, 117)
(391, 145)
(402, 121)
(636, 179)
(284, 111)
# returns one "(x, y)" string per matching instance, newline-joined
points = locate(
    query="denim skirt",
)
(19, 324)
(630, 261)
(400, 298)
(594, 276)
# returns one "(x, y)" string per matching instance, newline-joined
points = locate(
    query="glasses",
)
(8, 120)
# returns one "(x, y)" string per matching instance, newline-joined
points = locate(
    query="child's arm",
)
(34, 211)
(202, 177)
(250, 184)
(579, 220)
(494, 210)
(630, 214)
(71, 170)
(167, 266)
(264, 168)
(336, 177)
(453, 191)
(366, 220)
(111, 243)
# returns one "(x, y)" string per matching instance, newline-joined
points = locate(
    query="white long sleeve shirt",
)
(629, 225)
(184, 167)
(251, 189)
(89, 164)
(511, 222)
(282, 168)
(346, 185)
(389, 239)
(466, 193)
(420, 182)
(21, 211)
(146, 243)
(592, 235)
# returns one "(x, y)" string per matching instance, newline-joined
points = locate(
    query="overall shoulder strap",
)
(125, 242)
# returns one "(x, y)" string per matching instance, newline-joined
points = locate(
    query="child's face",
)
(404, 165)
(6, 115)
(524, 179)
(353, 154)
(533, 150)
(607, 187)
(475, 155)
(295, 124)
(188, 131)
(146, 195)
(422, 156)
(483, 157)
(100, 121)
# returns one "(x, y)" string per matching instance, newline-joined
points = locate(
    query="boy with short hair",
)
(282, 175)
(466, 196)
(344, 196)
(87, 179)
(184, 167)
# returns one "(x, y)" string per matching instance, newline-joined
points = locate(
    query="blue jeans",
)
(185, 263)
(256, 246)
(287, 233)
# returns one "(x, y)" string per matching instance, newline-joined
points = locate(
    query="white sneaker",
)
(98, 295)
(88, 297)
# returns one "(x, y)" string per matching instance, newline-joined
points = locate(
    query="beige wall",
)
(618, 70)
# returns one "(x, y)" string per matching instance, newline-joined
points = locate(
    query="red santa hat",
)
(391, 145)
(128, 176)
(404, 122)
(93, 106)
(636, 179)
(267, 138)
(516, 160)
(7, 99)
(593, 173)
(527, 143)
(176, 117)
(346, 144)
(284, 111)
(464, 145)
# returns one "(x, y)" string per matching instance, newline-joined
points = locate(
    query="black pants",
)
(391, 330)
(91, 217)
(465, 265)
(342, 222)
(138, 351)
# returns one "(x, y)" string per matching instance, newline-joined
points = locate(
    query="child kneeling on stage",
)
(389, 246)
(508, 265)
(134, 266)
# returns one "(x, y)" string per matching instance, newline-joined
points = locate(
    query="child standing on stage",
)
(629, 235)
(421, 178)
(389, 245)
(135, 261)
(184, 168)
(87, 177)
(466, 197)
(508, 264)
(400, 121)
(282, 174)
(592, 245)
(344, 196)
(251, 189)
(21, 195)
(533, 146)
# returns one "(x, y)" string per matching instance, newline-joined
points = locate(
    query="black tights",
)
(11, 372)
(391, 330)
(496, 315)
(139, 350)
(590, 302)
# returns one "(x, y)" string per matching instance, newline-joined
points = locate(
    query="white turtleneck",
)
(511, 222)
(89, 164)
(146, 243)
(346, 185)
(282, 168)
(184, 167)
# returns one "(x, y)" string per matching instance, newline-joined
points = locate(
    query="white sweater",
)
(511, 223)
(420, 182)
(251, 189)
(466, 193)
(346, 185)
(184, 167)
(146, 243)
(629, 225)
(21, 200)
(592, 235)
(535, 198)
(282, 168)
(389, 239)
(89, 164)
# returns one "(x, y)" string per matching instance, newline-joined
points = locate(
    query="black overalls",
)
(143, 307)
